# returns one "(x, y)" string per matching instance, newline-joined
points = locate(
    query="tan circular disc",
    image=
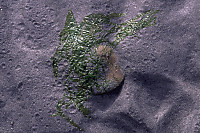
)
(114, 75)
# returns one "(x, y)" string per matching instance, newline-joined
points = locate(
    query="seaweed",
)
(75, 62)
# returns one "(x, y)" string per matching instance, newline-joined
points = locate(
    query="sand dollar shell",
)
(114, 76)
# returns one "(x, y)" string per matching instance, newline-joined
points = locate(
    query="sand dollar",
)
(114, 75)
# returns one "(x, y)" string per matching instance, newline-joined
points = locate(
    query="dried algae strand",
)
(79, 68)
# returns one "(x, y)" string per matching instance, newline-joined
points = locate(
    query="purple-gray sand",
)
(161, 89)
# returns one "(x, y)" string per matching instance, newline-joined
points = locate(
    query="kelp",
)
(81, 67)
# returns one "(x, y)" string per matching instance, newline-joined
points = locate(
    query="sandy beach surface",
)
(161, 89)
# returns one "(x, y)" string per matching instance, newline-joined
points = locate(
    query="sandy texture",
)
(161, 90)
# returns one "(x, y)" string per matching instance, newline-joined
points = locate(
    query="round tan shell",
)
(115, 74)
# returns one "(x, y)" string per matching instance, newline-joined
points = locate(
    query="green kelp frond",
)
(75, 62)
